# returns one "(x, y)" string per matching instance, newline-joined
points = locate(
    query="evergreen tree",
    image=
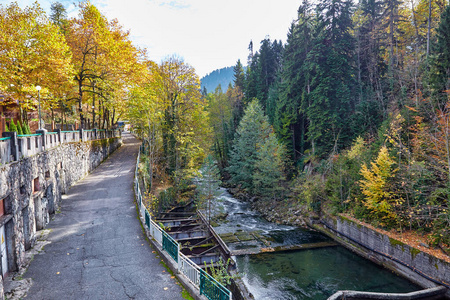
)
(12, 126)
(58, 15)
(208, 186)
(239, 76)
(252, 130)
(269, 166)
(263, 72)
(331, 100)
(441, 62)
(19, 128)
(371, 104)
(294, 85)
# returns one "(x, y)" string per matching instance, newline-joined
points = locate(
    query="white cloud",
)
(208, 34)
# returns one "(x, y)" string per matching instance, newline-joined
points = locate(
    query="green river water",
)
(301, 274)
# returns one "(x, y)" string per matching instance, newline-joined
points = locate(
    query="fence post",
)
(81, 134)
(14, 144)
(59, 135)
(178, 254)
(43, 132)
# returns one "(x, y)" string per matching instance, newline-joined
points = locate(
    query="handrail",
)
(28, 135)
(17, 153)
(69, 131)
(208, 286)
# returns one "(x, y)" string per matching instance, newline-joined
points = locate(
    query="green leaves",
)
(257, 159)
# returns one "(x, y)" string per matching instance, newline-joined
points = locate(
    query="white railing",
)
(189, 269)
(156, 232)
(14, 147)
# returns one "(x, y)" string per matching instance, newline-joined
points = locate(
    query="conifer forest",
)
(351, 114)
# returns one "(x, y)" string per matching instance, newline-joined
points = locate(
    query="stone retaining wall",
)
(419, 267)
(31, 189)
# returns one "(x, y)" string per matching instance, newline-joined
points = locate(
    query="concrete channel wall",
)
(427, 294)
(31, 189)
(421, 268)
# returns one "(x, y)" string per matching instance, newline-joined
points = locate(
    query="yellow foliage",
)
(375, 186)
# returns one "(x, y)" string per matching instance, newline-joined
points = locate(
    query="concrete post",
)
(43, 132)
(59, 135)
(14, 144)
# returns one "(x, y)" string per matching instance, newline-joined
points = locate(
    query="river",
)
(300, 274)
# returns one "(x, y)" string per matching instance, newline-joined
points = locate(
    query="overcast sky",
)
(207, 34)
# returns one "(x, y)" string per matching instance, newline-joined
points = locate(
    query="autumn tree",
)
(105, 62)
(33, 53)
(376, 187)
(220, 109)
(184, 126)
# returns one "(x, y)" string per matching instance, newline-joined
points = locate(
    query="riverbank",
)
(405, 253)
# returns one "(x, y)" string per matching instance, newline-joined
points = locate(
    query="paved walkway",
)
(97, 248)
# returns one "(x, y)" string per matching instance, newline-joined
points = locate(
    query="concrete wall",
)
(31, 189)
(419, 267)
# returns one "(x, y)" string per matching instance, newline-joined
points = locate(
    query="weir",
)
(284, 262)
(283, 248)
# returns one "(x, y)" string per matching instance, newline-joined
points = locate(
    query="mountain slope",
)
(222, 76)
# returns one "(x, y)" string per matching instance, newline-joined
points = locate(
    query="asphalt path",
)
(97, 247)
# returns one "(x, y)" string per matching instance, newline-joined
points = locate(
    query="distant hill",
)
(222, 76)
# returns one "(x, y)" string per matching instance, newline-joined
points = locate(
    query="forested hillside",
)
(350, 115)
(222, 77)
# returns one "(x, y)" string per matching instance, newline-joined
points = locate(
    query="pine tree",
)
(239, 76)
(294, 85)
(58, 16)
(252, 130)
(269, 168)
(440, 73)
(331, 61)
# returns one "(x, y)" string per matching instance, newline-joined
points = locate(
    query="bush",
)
(19, 128)
(12, 126)
(441, 232)
(25, 129)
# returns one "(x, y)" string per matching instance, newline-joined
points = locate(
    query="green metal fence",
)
(170, 245)
(147, 219)
(208, 286)
(212, 289)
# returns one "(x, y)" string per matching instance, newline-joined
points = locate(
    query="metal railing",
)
(212, 289)
(189, 269)
(170, 245)
(208, 286)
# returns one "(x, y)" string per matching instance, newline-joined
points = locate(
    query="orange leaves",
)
(34, 52)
